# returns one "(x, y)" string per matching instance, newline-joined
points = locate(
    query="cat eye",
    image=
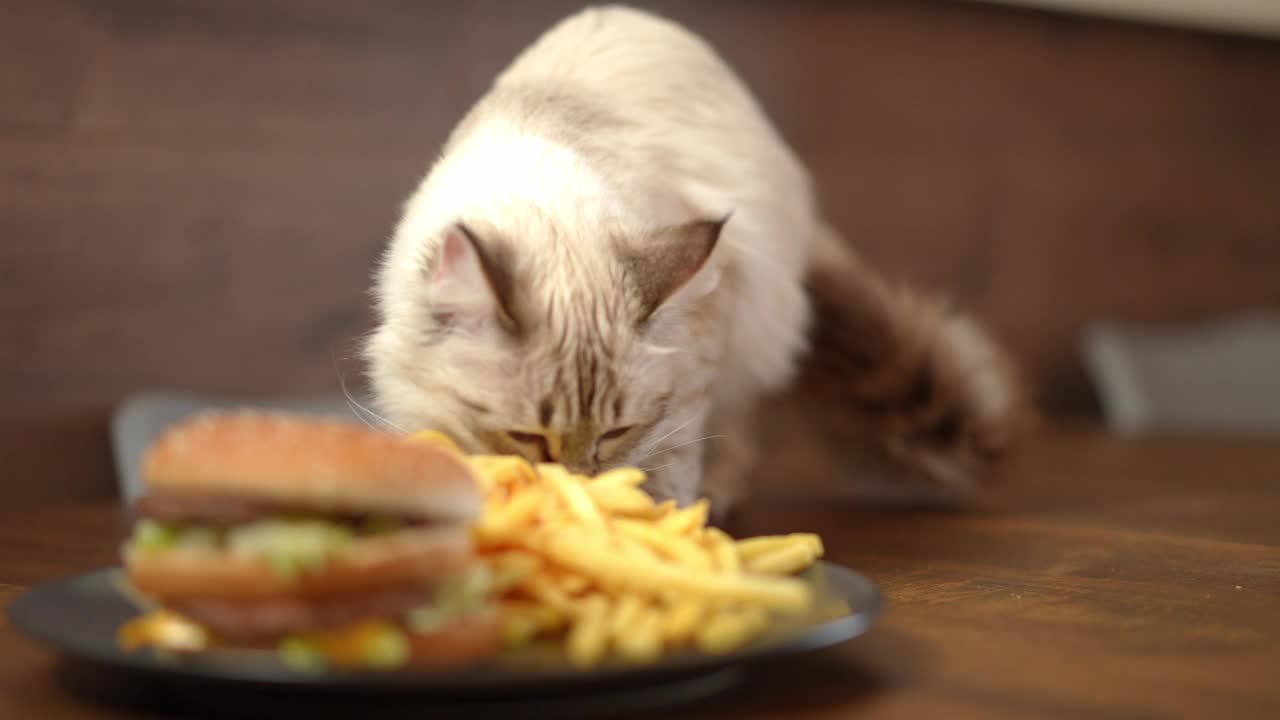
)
(616, 433)
(533, 440)
(525, 438)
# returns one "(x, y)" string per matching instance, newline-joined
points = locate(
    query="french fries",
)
(588, 640)
(596, 564)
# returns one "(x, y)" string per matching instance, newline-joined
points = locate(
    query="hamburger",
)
(332, 543)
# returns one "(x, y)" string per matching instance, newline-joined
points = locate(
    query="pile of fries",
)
(597, 564)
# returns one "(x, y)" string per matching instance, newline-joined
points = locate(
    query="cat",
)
(617, 260)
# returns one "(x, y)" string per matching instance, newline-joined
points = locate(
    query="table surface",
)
(1108, 578)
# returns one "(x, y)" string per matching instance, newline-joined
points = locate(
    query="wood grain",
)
(1114, 579)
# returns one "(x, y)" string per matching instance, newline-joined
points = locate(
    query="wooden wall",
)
(192, 193)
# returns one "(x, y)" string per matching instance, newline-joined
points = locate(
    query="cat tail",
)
(905, 380)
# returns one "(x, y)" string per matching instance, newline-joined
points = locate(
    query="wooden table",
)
(1112, 579)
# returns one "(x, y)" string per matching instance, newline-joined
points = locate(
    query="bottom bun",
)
(468, 640)
(266, 619)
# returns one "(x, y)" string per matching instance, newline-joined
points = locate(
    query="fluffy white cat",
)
(617, 257)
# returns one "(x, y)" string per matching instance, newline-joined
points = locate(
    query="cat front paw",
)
(963, 412)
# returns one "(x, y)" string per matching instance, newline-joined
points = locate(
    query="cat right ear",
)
(673, 262)
(470, 282)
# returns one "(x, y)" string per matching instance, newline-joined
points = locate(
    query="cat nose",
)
(578, 453)
(581, 465)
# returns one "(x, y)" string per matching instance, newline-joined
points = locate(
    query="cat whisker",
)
(363, 414)
(683, 444)
(360, 411)
(648, 451)
(657, 467)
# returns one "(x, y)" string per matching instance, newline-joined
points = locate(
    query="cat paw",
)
(899, 379)
(962, 412)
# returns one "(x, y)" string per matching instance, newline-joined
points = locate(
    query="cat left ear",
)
(673, 261)
(471, 282)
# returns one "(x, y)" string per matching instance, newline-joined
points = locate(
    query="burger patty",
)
(225, 509)
(271, 618)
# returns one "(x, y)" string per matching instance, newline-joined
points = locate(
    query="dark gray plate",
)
(79, 616)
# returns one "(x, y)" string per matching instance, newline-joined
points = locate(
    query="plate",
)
(79, 616)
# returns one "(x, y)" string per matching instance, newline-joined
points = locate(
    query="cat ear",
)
(470, 283)
(673, 261)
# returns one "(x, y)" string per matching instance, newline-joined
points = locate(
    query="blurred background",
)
(192, 193)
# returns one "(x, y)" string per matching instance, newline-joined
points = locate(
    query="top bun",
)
(325, 465)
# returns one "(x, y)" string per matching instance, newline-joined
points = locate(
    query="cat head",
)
(556, 347)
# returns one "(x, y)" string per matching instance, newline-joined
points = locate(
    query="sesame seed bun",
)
(328, 466)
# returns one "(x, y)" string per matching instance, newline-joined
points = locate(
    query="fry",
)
(624, 615)
(489, 534)
(815, 541)
(546, 591)
(512, 567)
(690, 518)
(672, 546)
(648, 577)
(784, 560)
(577, 500)
(572, 583)
(752, 547)
(618, 477)
(587, 642)
(520, 509)
(503, 470)
(724, 551)
(632, 547)
(621, 499)
(665, 508)
(547, 471)
(642, 641)
(679, 623)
